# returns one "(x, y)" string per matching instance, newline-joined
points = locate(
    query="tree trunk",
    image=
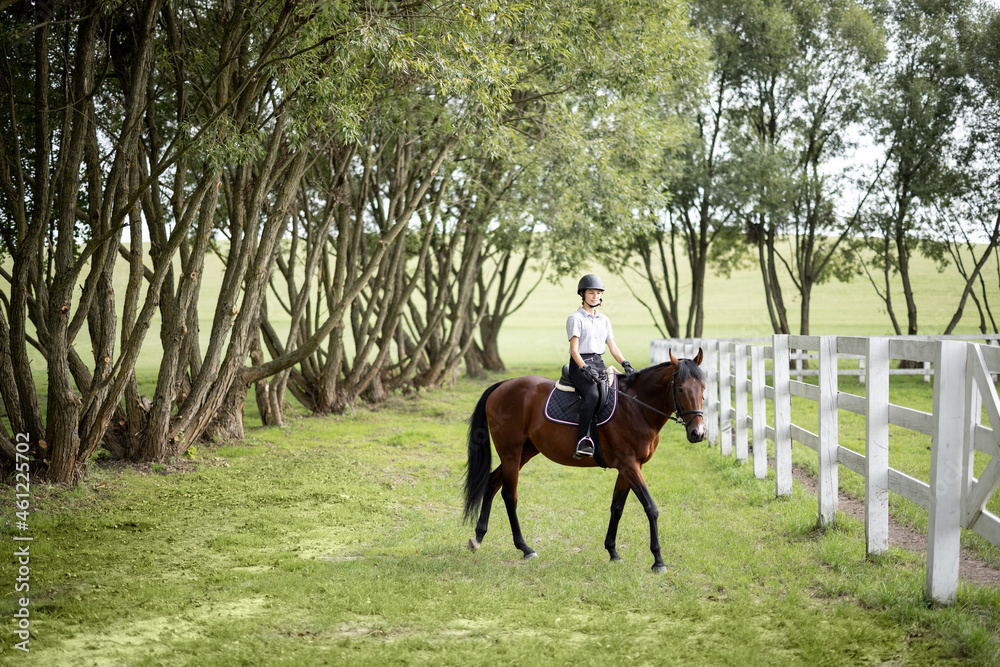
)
(262, 392)
(669, 306)
(375, 393)
(474, 361)
(970, 278)
(903, 256)
(764, 237)
(227, 423)
(491, 355)
(806, 296)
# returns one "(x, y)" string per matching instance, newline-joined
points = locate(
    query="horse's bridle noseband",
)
(677, 415)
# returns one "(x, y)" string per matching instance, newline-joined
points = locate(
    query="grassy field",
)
(338, 540)
(735, 306)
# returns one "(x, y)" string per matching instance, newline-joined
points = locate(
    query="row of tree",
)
(834, 139)
(376, 166)
(376, 178)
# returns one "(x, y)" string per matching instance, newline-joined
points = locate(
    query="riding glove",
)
(627, 367)
(591, 373)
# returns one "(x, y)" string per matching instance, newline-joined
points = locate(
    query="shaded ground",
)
(971, 568)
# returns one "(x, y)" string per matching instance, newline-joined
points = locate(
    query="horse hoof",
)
(530, 555)
(616, 559)
(659, 569)
(474, 544)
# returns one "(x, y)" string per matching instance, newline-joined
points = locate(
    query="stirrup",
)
(583, 448)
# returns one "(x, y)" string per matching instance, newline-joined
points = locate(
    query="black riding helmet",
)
(589, 281)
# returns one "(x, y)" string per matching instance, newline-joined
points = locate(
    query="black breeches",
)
(588, 390)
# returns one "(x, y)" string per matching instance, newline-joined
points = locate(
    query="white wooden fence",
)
(964, 383)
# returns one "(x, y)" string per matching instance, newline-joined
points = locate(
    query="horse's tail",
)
(477, 473)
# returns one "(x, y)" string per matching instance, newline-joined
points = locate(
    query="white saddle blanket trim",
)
(568, 387)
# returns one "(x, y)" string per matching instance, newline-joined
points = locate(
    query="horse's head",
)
(687, 391)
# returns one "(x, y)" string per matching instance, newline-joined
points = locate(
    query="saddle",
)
(563, 403)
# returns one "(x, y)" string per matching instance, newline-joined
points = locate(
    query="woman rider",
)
(589, 332)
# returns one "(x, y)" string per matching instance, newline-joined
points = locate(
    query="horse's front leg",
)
(638, 485)
(617, 506)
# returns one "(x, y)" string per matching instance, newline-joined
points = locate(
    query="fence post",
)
(877, 447)
(757, 380)
(828, 432)
(710, 364)
(725, 401)
(782, 419)
(973, 418)
(740, 377)
(944, 519)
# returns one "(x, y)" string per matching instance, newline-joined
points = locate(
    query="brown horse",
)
(512, 411)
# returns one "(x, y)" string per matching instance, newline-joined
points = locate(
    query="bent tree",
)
(66, 199)
(148, 112)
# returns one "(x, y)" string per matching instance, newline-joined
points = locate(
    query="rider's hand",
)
(591, 373)
(627, 367)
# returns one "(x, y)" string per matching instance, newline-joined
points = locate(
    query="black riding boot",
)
(589, 391)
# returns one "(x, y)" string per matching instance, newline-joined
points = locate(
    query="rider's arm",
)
(574, 351)
(615, 352)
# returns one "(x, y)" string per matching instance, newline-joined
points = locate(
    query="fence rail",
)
(965, 375)
(802, 360)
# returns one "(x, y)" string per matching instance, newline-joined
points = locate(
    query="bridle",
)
(677, 415)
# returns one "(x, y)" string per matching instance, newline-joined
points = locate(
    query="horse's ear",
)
(673, 360)
(699, 357)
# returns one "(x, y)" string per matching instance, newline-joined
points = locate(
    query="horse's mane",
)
(685, 370)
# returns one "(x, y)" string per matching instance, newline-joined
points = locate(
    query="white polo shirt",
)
(592, 330)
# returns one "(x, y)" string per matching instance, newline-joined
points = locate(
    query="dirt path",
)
(971, 568)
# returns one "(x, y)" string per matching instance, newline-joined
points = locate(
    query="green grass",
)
(735, 307)
(338, 540)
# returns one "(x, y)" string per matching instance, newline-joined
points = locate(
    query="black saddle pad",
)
(563, 407)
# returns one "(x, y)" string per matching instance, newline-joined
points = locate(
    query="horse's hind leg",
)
(618, 499)
(509, 494)
(496, 482)
(511, 470)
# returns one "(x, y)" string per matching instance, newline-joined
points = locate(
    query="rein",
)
(677, 415)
